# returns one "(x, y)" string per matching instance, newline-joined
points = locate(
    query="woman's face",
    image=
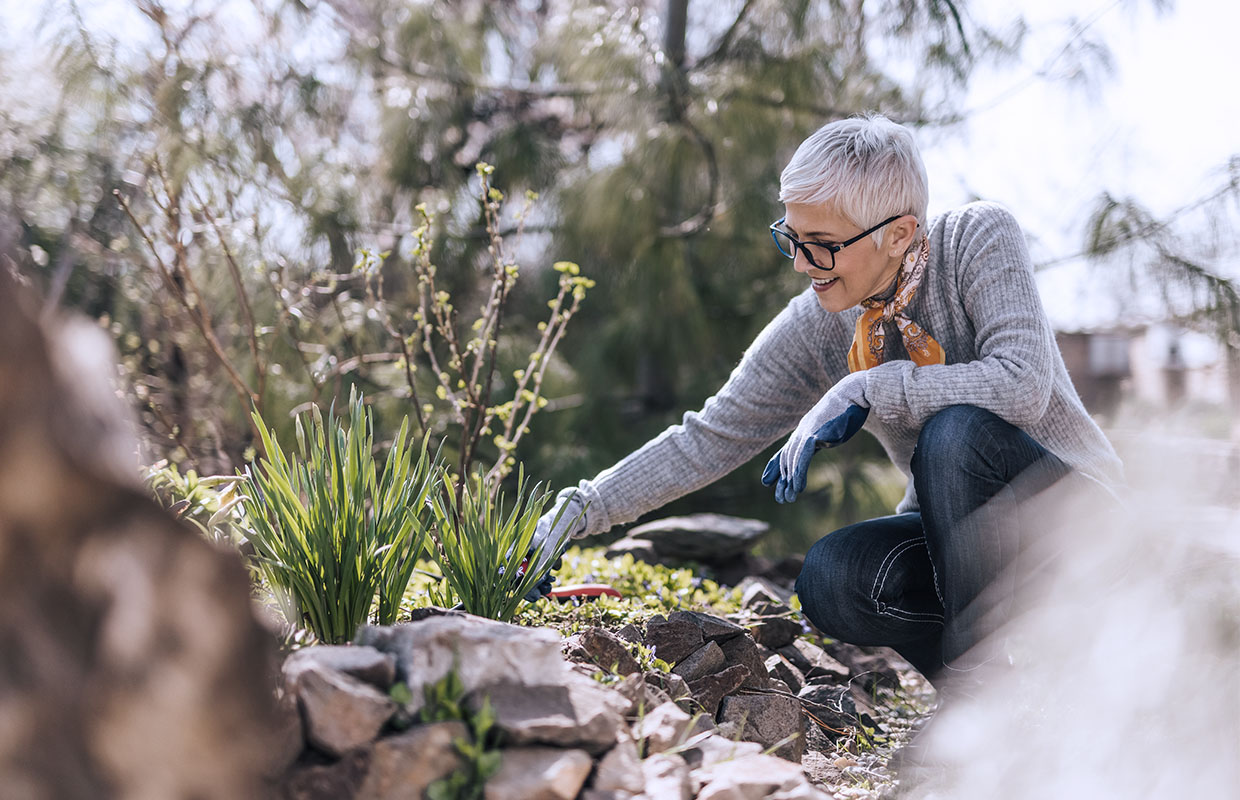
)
(862, 269)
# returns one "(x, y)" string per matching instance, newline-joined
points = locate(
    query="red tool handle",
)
(584, 590)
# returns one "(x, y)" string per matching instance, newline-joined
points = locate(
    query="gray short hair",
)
(867, 167)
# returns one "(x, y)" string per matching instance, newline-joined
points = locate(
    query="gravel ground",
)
(854, 766)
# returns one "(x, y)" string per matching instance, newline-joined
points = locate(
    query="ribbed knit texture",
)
(979, 300)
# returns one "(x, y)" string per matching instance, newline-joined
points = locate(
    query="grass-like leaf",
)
(482, 547)
(332, 533)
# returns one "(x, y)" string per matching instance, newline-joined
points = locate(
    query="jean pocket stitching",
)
(880, 579)
(912, 616)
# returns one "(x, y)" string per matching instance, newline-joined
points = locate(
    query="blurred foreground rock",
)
(133, 666)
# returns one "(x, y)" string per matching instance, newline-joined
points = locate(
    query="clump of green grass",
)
(332, 535)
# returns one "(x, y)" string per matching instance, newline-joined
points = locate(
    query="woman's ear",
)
(901, 236)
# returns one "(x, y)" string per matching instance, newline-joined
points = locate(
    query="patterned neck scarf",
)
(868, 338)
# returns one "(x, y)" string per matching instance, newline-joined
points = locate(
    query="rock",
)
(756, 777)
(539, 773)
(762, 590)
(290, 739)
(364, 663)
(402, 766)
(814, 663)
(743, 650)
(714, 629)
(133, 664)
(641, 694)
(676, 687)
(780, 686)
(831, 706)
(672, 641)
(667, 726)
(706, 660)
(621, 769)
(640, 549)
(606, 650)
(340, 712)
(481, 651)
(768, 719)
(871, 667)
(774, 631)
(706, 538)
(779, 667)
(578, 713)
(630, 633)
(666, 777)
(708, 691)
(426, 612)
(336, 781)
(715, 748)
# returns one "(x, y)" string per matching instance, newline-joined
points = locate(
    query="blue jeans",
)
(933, 584)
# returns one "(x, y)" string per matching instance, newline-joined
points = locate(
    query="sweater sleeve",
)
(1013, 373)
(778, 379)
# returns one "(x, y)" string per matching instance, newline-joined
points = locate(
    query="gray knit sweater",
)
(978, 299)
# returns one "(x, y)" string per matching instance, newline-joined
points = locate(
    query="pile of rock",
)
(699, 730)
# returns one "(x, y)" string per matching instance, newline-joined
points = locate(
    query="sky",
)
(1159, 128)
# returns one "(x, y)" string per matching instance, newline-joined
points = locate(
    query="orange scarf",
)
(867, 345)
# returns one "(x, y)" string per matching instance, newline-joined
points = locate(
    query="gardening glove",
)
(566, 520)
(832, 421)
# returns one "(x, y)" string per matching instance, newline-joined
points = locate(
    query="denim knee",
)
(830, 598)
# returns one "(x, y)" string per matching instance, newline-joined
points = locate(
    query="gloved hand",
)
(832, 421)
(565, 520)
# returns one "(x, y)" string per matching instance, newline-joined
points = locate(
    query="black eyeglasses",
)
(789, 246)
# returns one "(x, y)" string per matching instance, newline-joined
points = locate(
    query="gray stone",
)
(715, 748)
(768, 719)
(672, 641)
(714, 629)
(621, 769)
(676, 687)
(706, 660)
(539, 773)
(871, 667)
(336, 781)
(668, 726)
(814, 663)
(340, 713)
(606, 650)
(630, 633)
(779, 667)
(708, 691)
(708, 538)
(752, 777)
(775, 632)
(364, 663)
(641, 694)
(667, 777)
(743, 650)
(577, 713)
(481, 651)
(290, 739)
(640, 549)
(403, 766)
(755, 590)
(832, 707)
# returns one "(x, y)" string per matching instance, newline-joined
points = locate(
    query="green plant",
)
(207, 502)
(329, 532)
(481, 549)
(444, 702)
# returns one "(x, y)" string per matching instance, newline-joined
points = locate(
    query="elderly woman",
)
(931, 335)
